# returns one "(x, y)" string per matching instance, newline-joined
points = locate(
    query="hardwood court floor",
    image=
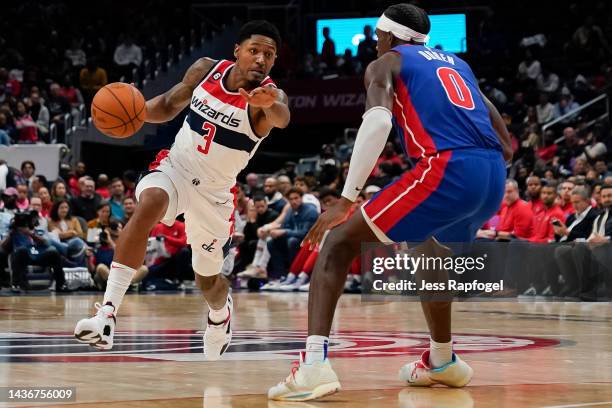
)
(524, 354)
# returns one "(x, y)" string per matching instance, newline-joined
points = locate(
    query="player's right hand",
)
(329, 219)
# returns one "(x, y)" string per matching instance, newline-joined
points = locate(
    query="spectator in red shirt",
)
(28, 131)
(176, 266)
(543, 230)
(534, 186)
(103, 187)
(79, 171)
(564, 198)
(516, 217)
(388, 156)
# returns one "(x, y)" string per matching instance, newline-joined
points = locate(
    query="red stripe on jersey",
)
(417, 138)
(158, 159)
(413, 188)
(232, 220)
(235, 100)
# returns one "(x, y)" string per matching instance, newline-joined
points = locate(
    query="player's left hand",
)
(262, 97)
(329, 219)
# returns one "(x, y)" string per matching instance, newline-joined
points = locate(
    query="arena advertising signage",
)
(448, 31)
(340, 101)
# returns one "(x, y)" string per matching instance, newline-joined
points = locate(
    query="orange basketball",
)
(118, 110)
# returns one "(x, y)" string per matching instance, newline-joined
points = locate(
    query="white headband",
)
(400, 31)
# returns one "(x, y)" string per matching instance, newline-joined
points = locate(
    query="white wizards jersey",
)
(217, 138)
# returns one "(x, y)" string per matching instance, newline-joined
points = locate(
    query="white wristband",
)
(369, 144)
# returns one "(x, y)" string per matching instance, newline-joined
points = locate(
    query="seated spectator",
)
(259, 214)
(29, 248)
(75, 54)
(86, 204)
(305, 185)
(103, 219)
(544, 110)
(543, 230)
(129, 207)
(130, 177)
(565, 105)
(5, 139)
(286, 240)
(127, 56)
(284, 185)
(59, 191)
(91, 79)
(102, 186)
(47, 203)
(73, 96)
(516, 217)
(67, 230)
(547, 81)
(58, 107)
(116, 198)
(252, 185)
(275, 199)
(26, 126)
(40, 114)
(22, 197)
(534, 186)
(78, 172)
(28, 168)
(564, 192)
(38, 181)
(579, 224)
(103, 257)
(9, 200)
(602, 169)
(175, 267)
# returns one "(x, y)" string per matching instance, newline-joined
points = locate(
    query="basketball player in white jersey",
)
(233, 106)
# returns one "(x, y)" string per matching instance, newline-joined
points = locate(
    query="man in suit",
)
(574, 260)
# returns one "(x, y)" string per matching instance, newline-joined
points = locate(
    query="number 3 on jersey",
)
(208, 134)
(455, 87)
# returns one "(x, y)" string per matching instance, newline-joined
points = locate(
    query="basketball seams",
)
(110, 114)
(123, 107)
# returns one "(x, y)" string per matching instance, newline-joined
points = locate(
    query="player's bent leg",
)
(438, 365)
(215, 288)
(313, 376)
(98, 331)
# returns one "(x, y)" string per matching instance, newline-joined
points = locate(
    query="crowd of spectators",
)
(54, 57)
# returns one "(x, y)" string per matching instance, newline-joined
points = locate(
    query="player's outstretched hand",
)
(262, 97)
(329, 219)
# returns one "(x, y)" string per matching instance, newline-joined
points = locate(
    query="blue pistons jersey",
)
(437, 104)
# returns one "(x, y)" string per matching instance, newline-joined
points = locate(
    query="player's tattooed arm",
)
(166, 106)
(269, 108)
(500, 128)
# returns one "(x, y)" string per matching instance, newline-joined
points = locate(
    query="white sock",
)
(290, 277)
(119, 280)
(440, 353)
(303, 276)
(316, 349)
(217, 316)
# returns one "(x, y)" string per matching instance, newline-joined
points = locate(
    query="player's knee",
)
(339, 246)
(152, 205)
(207, 282)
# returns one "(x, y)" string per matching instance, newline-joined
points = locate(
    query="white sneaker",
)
(302, 279)
(218, 336)
(306, 382)
(457, 373)
(98, 331)
(272, 285)
(305, 287)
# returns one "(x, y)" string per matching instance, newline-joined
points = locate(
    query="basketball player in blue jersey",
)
(458, 141)
(233, 105)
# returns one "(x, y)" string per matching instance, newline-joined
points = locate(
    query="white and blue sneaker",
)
(457, 373)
